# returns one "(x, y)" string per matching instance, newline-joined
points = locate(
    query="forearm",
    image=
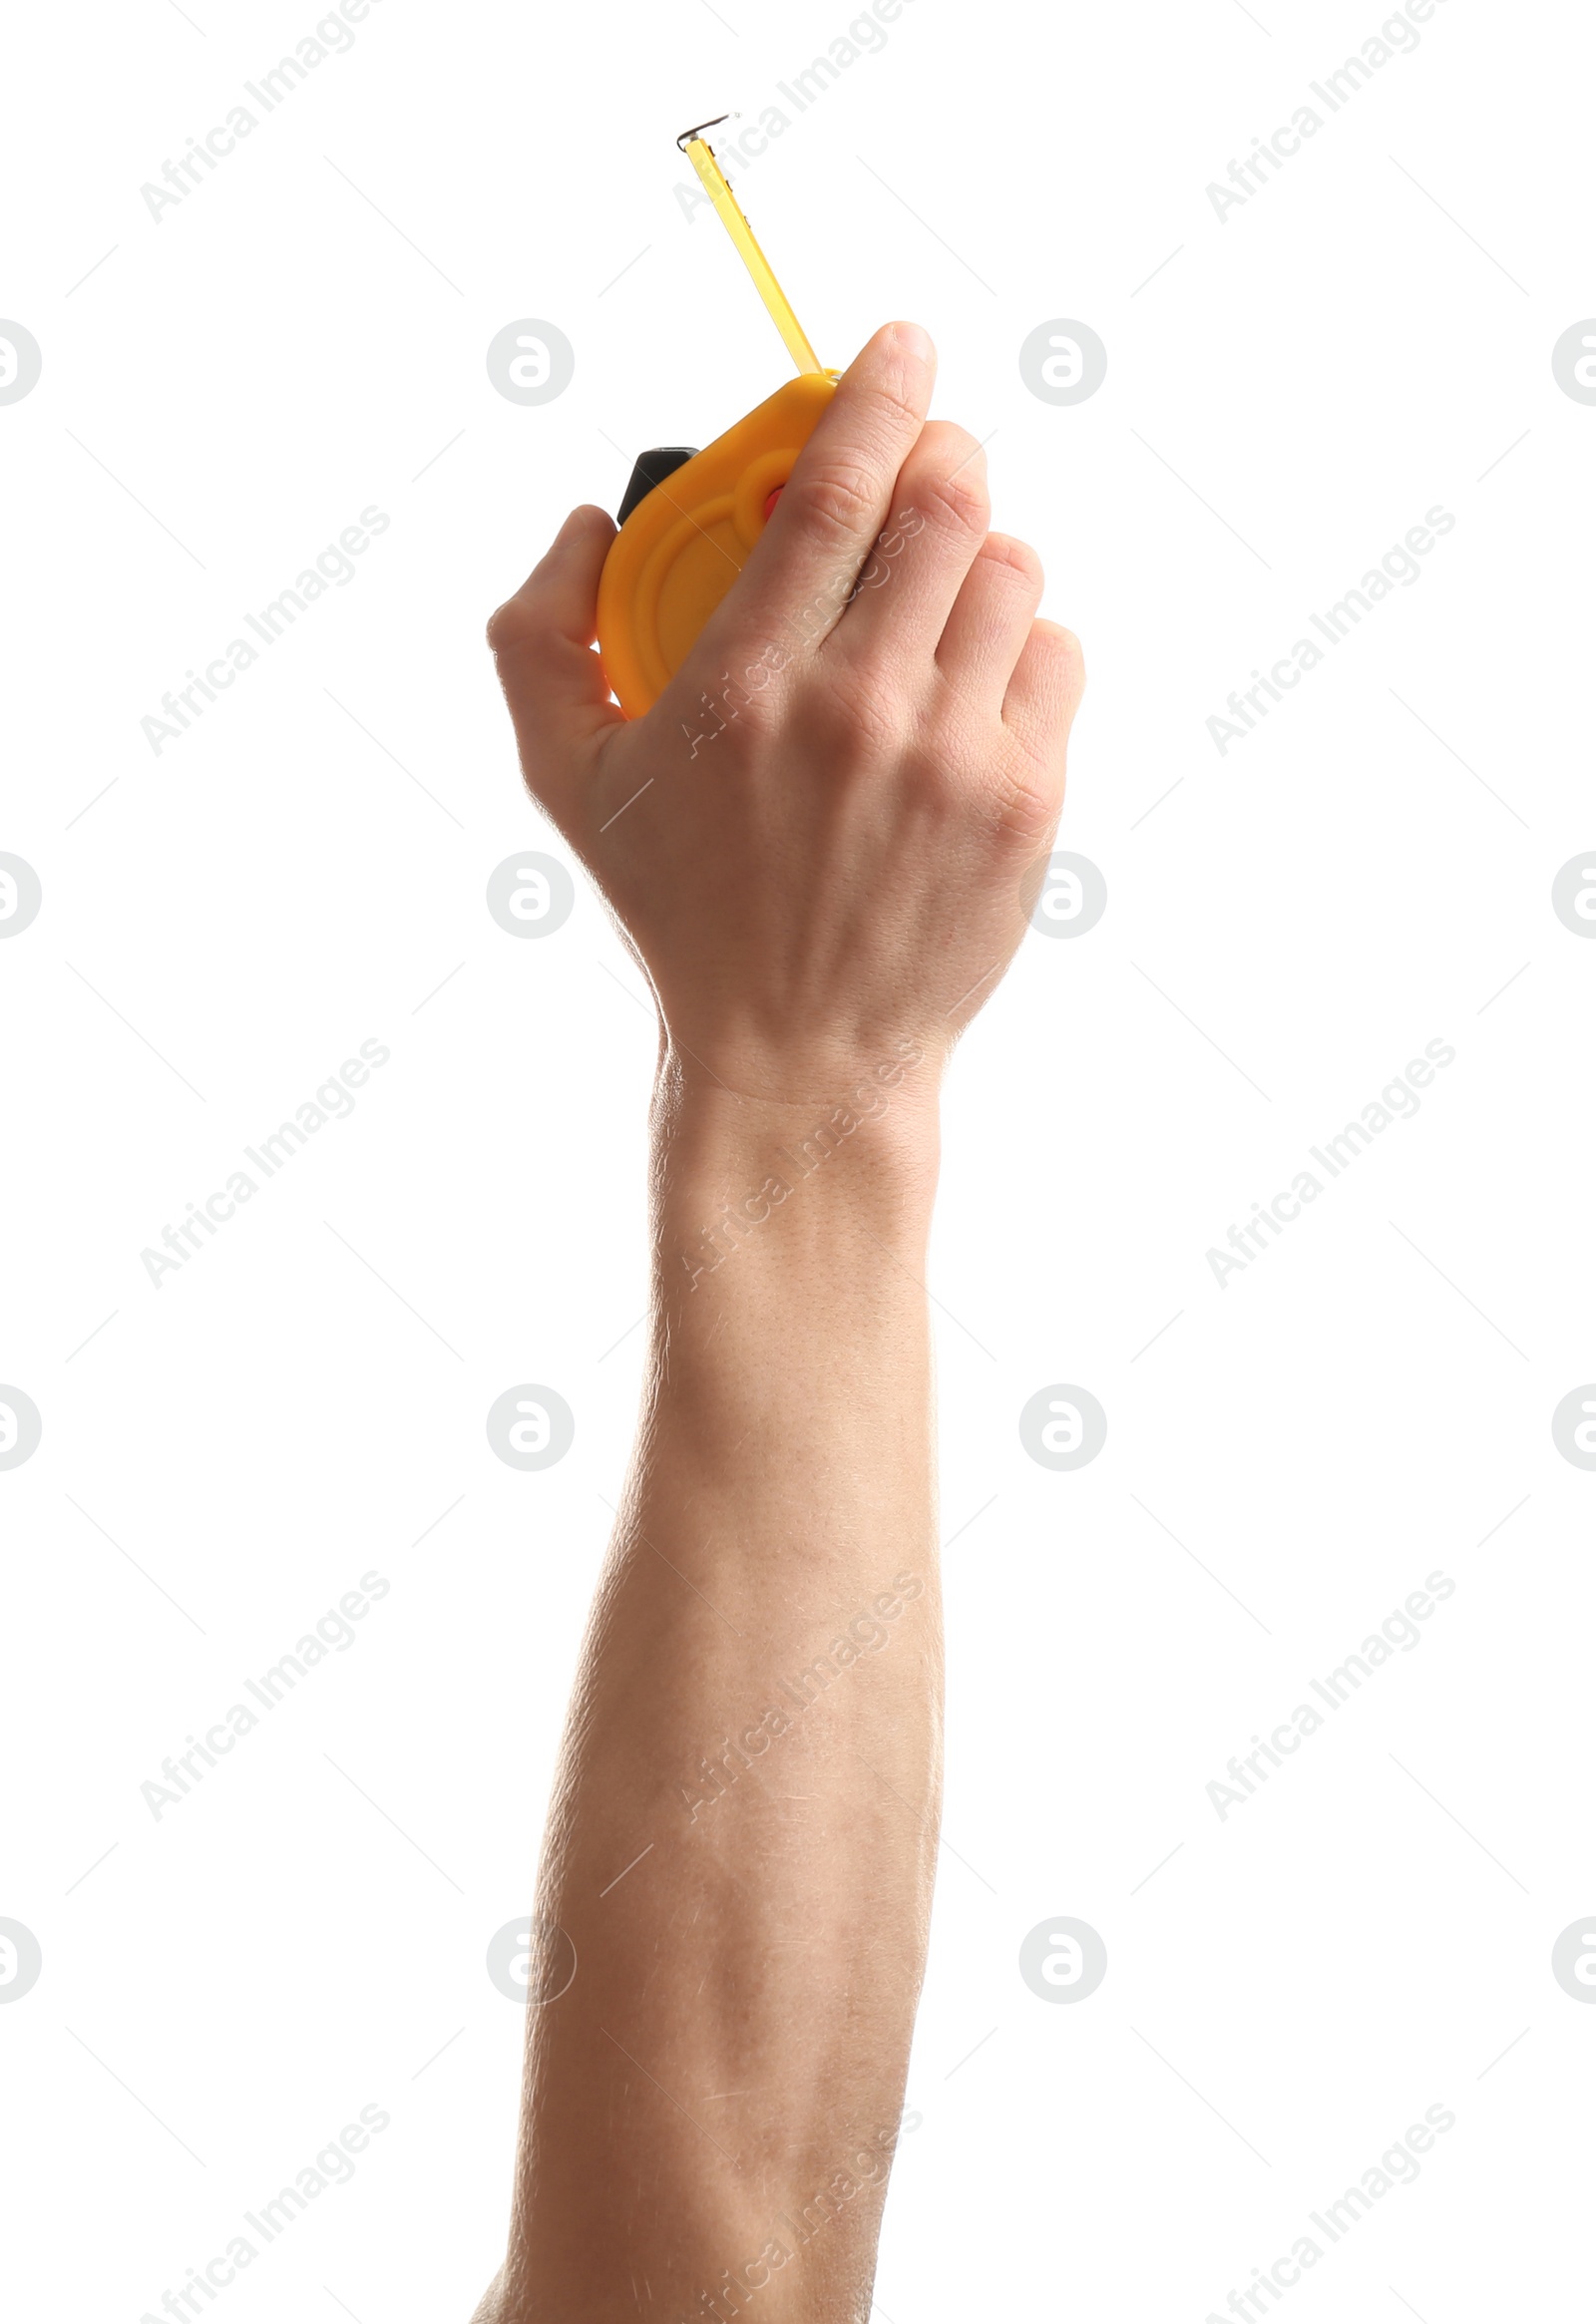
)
(759, 1708)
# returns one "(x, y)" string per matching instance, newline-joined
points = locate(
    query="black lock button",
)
(652, 468)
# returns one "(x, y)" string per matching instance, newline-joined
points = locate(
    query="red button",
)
(772, 500)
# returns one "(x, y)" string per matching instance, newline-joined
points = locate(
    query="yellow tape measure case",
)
(683, 542)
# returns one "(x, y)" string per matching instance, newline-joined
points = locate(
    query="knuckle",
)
(837, 500)
(946, 480)
(885, 414)
(1017, 556)
(1066, 662)
(1028, 812)
(961, 498)
(504, 626)
(894, 402)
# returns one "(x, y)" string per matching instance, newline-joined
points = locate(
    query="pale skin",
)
(821, 898)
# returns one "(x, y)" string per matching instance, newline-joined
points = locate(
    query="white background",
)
(303, 337)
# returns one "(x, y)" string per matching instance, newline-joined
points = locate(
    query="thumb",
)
(542, 641)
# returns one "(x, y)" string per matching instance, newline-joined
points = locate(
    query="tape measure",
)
(690, 517)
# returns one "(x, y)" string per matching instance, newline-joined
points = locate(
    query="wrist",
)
(790, 1173)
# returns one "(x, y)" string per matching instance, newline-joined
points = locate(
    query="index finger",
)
(830, 512)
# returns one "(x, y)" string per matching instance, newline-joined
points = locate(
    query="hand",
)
(824, 839)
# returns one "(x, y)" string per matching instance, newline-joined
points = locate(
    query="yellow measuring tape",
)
(753, 258)
(694, 517)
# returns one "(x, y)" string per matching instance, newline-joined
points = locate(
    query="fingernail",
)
(914, 341)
